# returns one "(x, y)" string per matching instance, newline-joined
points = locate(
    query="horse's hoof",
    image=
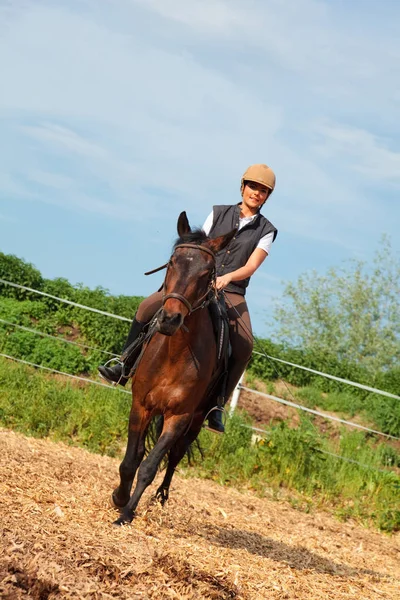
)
(161, 496)
(115, 504)
(119, 523)
(122, 521)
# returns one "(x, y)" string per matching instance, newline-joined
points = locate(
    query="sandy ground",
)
(57, 540)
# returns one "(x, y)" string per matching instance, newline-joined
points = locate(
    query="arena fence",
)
(236, 394)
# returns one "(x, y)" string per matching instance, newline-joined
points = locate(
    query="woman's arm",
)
(255, 260)
(208, 223)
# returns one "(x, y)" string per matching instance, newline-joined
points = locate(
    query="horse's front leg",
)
(139, 420)
(174, 428)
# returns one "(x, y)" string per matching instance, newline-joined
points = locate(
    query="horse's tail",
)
(154, 432)
(194, 449)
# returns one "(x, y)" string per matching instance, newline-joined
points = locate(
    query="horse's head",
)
(190, 274)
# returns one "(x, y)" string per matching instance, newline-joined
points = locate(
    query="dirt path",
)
(209, 542)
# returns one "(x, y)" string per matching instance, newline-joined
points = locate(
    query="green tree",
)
(351, 312)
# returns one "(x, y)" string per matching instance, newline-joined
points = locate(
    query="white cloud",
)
(215, 16)
(66, 138)
(6, 218)
(272, 279)
(337, 56)
(51, 180)
(361, 150)
(117, 117)
(164, 119)
(133, 110)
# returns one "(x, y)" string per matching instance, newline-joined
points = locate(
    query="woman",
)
(234, 266)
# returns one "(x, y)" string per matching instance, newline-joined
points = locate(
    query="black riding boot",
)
(118, 374)
(215, 423)
(214, 418)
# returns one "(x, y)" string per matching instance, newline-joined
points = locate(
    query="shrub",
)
(18, 271)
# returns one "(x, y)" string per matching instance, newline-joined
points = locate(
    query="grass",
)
(43, 406)
(288, 462)
(292, 463)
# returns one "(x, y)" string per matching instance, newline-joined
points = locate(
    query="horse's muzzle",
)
(168, 324)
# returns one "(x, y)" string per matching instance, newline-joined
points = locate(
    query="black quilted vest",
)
(238, 251)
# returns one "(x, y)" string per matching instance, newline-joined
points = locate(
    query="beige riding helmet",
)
(260, 174)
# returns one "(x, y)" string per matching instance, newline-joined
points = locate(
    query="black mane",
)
(196, 236)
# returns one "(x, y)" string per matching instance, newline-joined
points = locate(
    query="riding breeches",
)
(240, 332)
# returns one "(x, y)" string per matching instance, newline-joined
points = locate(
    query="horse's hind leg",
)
(138, 423)
(175, 456)
(174, 428)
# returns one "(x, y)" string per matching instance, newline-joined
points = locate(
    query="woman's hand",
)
(223, 281)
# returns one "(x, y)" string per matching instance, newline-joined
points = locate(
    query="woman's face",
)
(255, 194)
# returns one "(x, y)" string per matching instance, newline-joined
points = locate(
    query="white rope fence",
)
(262, 431)
(55, 337)
(316, 412)
(352, 461)
(85, 379)
(96, 310)
(237, 391)
(113, 315)
(235, 396)
(358, 385)
(265, 435)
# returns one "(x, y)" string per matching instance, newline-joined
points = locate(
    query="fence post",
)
(236, 395)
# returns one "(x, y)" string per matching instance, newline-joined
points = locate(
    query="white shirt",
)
(264, 243)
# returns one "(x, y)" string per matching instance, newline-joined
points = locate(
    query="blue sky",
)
(117, 115)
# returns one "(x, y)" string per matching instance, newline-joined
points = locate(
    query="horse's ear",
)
(183, 224)
(220, 242)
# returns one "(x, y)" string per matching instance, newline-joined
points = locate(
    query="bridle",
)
(203, 301)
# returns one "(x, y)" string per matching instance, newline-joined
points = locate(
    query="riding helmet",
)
(260, 174)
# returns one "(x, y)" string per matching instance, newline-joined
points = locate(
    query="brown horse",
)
(175, 372)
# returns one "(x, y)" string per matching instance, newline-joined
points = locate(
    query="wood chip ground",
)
(57, 540)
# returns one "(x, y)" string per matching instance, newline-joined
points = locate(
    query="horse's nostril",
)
(175, 319)
(169, 323)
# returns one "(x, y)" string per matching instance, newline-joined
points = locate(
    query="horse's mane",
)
(196, 236)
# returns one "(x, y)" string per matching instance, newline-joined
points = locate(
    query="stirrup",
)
(224, 418)
(220, 408)
(119, 362)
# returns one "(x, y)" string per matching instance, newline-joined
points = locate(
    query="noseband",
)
(203, 300)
